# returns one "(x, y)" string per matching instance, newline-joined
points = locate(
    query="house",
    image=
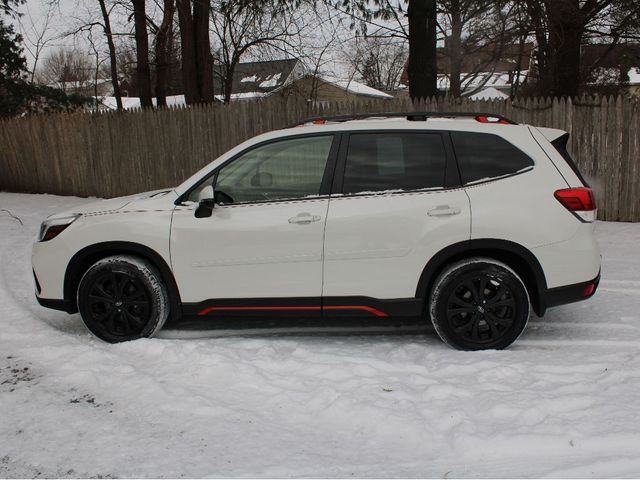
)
(491, 66)
(289, 77)
(253, 80)
(87, 88)
(612, 65)
(323, 88)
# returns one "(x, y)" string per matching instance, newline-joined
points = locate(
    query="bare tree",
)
(142, 53)
(163, 37)
(477, 34)
(240, 26)
(379, 61)
(197, 62)
(113, 64)
(562, 26)
(66, 69)
(38, 34)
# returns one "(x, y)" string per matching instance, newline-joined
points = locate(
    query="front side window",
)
(286, 169)
(379, 162)
(483, 156)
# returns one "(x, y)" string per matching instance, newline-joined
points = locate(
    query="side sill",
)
(54, 304)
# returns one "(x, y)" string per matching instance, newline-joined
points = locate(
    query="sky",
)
(56, 23)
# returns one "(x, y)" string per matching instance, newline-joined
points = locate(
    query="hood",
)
(112, 204)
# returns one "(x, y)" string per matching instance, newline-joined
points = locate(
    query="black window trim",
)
(560, 144)
(475, 183)
(325, 184)
(452, 179)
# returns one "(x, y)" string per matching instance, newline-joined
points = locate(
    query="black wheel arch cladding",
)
(86, 257)
(515, 256)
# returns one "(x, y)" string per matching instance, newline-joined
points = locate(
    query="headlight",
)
(54, 227)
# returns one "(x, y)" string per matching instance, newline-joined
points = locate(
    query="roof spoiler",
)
(482, 117)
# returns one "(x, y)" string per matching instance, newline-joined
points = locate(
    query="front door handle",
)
(443, 211)
(304, 219)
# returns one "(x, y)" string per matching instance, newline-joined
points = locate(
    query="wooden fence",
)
(111, 154)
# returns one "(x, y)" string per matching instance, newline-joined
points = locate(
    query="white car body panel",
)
(378, 245)
(141, 219)
(249, 251)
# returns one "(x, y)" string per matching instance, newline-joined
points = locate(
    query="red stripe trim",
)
(371, 310)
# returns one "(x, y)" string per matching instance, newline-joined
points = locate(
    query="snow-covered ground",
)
(563, 402)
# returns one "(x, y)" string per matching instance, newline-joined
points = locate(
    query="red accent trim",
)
(371, 310)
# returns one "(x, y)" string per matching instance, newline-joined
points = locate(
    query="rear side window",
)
(483, 156)
(394, 161)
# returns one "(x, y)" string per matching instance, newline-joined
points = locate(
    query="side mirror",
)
(205, 208)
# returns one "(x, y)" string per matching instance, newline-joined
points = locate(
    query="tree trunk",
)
(188, 53)
(423, 73)
(143, 73)
(566, 27)
(204, 59)
(454, 50)
(228, 81)
(162, 60)
(112, 55)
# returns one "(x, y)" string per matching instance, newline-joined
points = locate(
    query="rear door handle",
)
(304, 218)
(443, 211)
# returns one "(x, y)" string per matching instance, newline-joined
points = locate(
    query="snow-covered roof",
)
(480, 79)
(489, 93)
(243, 96)
(257, 77)
(355, 87)
(134, 102)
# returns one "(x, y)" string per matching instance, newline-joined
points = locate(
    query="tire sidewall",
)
(150, 279)
(445, 285)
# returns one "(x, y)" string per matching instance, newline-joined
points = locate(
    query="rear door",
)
(396, 202)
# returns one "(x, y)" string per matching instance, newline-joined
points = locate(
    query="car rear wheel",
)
(122, 298)
(479, 304)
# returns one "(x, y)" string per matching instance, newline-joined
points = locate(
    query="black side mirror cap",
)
(205, 208)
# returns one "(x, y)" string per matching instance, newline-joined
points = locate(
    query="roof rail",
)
(482, 117)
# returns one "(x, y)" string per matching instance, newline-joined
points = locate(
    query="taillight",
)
(488, 119)
(579, 201)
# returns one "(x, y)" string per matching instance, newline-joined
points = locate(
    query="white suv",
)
(468, 220)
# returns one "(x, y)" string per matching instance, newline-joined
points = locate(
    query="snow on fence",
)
(112, 154)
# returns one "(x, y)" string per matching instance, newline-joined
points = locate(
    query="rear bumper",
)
(570, 293)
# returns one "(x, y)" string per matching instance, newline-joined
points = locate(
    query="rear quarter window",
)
(484, 156)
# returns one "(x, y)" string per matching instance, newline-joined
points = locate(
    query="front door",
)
(261, 248)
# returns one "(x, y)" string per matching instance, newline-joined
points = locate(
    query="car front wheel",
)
(123, 298)
(479, 304)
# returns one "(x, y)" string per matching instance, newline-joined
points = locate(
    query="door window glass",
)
(287, 169)
(394, 161)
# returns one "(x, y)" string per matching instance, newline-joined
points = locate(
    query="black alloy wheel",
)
(119, 303)
(479, 304)
(122, 298)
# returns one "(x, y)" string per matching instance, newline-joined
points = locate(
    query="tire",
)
(479, 304)
(122, 298)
